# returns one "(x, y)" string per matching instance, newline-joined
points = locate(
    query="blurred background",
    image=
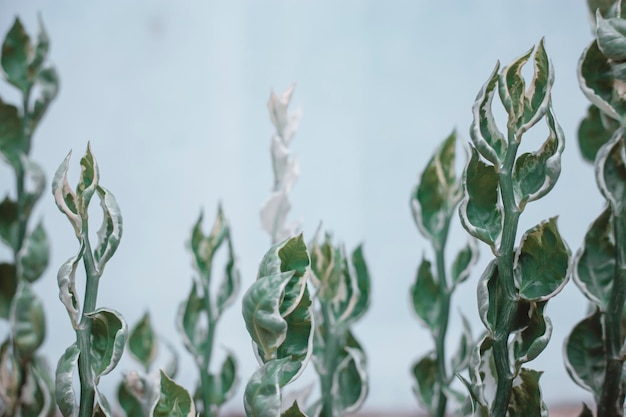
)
(172, 96)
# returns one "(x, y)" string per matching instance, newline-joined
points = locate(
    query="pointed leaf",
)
(531, 341)
(8, 287)
(285, 122)
(110, 232)
(526, 395)
(512, 89)
(174, 401)
(463, 263)
(142, 342)
(611, 172)
(350, 381)
(41, 48)
(66, 279)
(594, 131)
(611, 35)
(426, 386)
(585, 412)
(363, 283)
(480, 213)
(486, 136)
(17, 52)
(224, 384)
(594, 265)
(9, 223)
(585, 356)
(229, 286)
(262, 397)
(189, 323)
(64, 387)
(537, 98)
(328, 264)
(293, 411)
(425, 296)
(204, 247)
(65, 198)
(48, 83)
(34, 256)
(28, 324)
(129, 403)
(102, 408)
(489, 295)
(88, 181)
(108, 338)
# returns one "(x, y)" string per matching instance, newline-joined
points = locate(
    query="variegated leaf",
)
(64, 196)
(110, 232)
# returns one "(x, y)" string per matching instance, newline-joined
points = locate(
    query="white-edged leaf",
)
(108, 338)
(34, 255)
(64, 196)
(64, 387)
(262, 396)
(66, 279)
(110, 231)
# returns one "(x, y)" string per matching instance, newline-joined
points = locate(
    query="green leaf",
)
(531, 341)
(426, 386)
(12, 142)
(34, 176)
(34, 256)
(463, 263)
(102, 408)
(9, 223)
(541, 265)
(36, 395)
(142, 342)
(363, 283)
(10, 376)
(594, 131)
(512, 89)
(48, 83)
(224, 384)
(17, 53)
(328, 263)
(262, 397)
(350, 381)
(229, 286)
(293, 411)
(585, 412)
(189, 323)
(8, 287)
(28, 324)
(128, 401)
(66, 279)
(174, 401)
(526, 395)
(204, 247)
(110, 232)
(65, 198)
(64, 387)
(537, 98)
(425, 296)
(611, 172)
(88, 181)
(461, 358)
(261, 312)
(433, 200)
(108, 338)
(611, 35)
(535, 173)
(138, 394)
(594, 264)
(486, 136)
(490, 296)
(585, 356)
(603, 5)
(480, 212)
(41, 48)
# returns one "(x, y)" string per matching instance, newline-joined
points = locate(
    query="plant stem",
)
(440, 337)
(612, 396)
(205, 380)
(83, 333)
(506, 311)
(331, 351)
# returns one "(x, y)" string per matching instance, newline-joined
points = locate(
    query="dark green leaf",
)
(9, 223)
(108, 338)
(110, 232)
(593, 132)
(426, 386)
(611, 172)
(64, 387)
(34, 256)
(28, 324)
(350, 381)
(463, 263)
(142, 342)
(531, 341)
(229, 287)
(363, 284)
(17, 53)
(12, 142)
(293, 411)
(585, 356)
(262, 397)
(480, 213)
(526, 395)
(426, 297)
(611, 35)
(489, 296)
(128, 401)
(603, 5)
(541, 262)
(41, 49)
(224, 384)
(174, 401)
(296, 345)
(585, 412)
(8, 286)
(189, 323)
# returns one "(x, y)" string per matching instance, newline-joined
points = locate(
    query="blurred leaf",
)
(12, 143)
(229, 286)
(593, 132)
(65, 198)
(463, 263)
(486, 136)
(64, 387)
(611, 172)
(293, 411)
(526, 395)
(34, 255)
(363, 283)
(9, 222)
(8, 286)
(34, 176)
(224, 384)
(480, 213)
(297, 339)
(28, 324)
(541, 266)
(460, 360)
(204, 247)
(36, 399)
(585, 412)
(16, 55)
(350, 381)
(262, 397)
(426, 298)
(585, 356)
(66, 279)
(129, 402)
(604, 6)
(174, 401)
(110, 232)
(10, 377)
(328, 263)
(611, 36)
(426, 386)
(48, 82)
(189, 323)
(108, 338)
(41, 49)
(142, 342)
(594, 264)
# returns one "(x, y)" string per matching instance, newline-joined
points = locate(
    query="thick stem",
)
(331, 353)
(205, 379)
(508, 308)
(440, 337)
(612, 395)
(83, 334)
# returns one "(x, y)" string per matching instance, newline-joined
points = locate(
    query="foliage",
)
(433, 202)
(26, 387)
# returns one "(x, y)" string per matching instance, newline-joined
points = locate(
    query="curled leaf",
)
(65, 198)
(108, 338)
(34, 255)
(174, 400)
(66, 279)
(262, 397)
(64, 387)
(28, 324)
(110, 232)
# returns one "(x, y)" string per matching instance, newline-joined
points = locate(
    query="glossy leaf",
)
(425, 296)
(8, 287)
(541, 266)
(142, 342)
(611, 172)
(108, 338)
(585, 355)
(34, 256)
(465, 259)
(64, 389)
(110, 232)
(66, 279)
(28, 324)
(426, 386)
(229, 286)
(174, 401)
(262, 397)
(189, 323)
(438, 193)
(536, 173)
(594, 131)
(594, 264)
(64, 196)
(486, 136)
(9, 223)
(531, 341)
(16, 55)
(526, 395)
(480, 212)
(350, 381)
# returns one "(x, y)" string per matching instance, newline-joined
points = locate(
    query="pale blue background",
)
(173, 97)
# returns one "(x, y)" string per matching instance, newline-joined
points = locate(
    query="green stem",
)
(440, 337)
(205, 379)
(508, 308)
(83, 333)
(331, 353)
(612, 395)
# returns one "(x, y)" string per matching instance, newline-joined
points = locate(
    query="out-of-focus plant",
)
(517, 284)
(434, 201)
(278, 315)
(199, 314)
(26, 386)
(594, 352)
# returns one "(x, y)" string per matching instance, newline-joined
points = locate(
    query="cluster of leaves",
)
(199, 314)
(594, 355)
(26, 387)
(517, 284)
(434, 201)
